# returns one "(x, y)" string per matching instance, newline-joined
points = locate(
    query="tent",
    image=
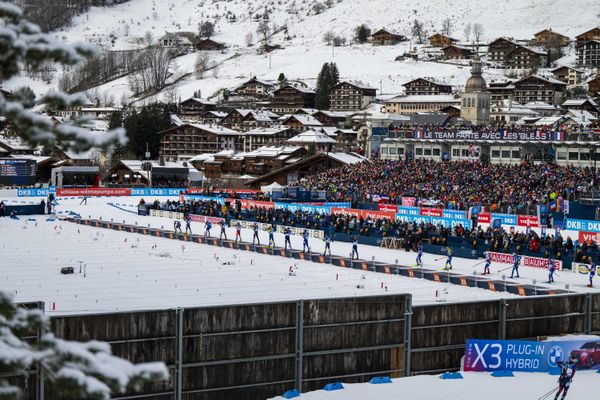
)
(272, 187)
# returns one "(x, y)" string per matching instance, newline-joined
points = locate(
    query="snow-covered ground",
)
(97, 208)
(304, 51)
(474, 386)
(125, 271)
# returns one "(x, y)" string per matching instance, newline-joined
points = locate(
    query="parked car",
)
(587, 355)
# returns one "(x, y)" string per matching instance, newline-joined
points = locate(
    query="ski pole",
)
(546, 395)
(504, 269)
(478, 264)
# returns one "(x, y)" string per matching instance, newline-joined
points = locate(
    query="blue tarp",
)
(380, 379)
(290, 394)
(451, 375)
(333, 386)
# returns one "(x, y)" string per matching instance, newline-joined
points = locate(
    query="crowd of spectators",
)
(407, 234)
(506, 188)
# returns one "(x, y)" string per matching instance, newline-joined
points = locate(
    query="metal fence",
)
(252, 351)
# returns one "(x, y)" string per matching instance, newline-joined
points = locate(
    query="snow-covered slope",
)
(474, 386)
(304, 51)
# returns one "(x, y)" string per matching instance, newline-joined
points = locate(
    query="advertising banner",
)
(112, 192)
(409, 201)
(526, 261)
(387, 207)
(204, 219)
(528, 221)
(581, 268)
(414, 211)
(157, 191)
(250, 224)
(589, 237)
(166, 214)
(253, 203)
(582, 225)
(431, 212)
(454, 214)
(529, 356)
(315, 233)
(36, 192)
(199, 197)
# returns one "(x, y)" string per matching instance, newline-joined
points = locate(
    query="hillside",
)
(303, 53)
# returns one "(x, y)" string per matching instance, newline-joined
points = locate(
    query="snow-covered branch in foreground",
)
(79, 370)
(23, 43)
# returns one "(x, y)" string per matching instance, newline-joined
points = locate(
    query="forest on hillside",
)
(51, 15)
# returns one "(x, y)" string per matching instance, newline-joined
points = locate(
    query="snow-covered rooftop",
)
(312, 136)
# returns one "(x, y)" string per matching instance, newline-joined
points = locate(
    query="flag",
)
(565, 206)
(558, 135)
(553, 205)
(419, 135)
(505, 134)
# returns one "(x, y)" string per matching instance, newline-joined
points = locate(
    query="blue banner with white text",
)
(529, 356)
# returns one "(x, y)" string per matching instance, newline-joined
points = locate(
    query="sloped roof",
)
(312, 137)
(306, 120)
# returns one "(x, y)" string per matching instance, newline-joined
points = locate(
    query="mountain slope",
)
(304, 50)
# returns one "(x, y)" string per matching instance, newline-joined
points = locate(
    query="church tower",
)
(475, 101)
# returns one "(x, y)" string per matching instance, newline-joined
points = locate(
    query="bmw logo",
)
(555, 355)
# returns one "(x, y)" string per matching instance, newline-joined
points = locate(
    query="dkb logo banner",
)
(527, 356)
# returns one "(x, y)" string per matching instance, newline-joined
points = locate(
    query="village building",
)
(288, 99)
(587, 104)
(498, 50)
(425, 86)
(594, 86)
(209, 45)
(212, 117)
(333, 118)
(309, 166)
(176, 40)
(537, 88)
(523, 57)
(384, 37)
(548, 38)
(592, 34)
(569, 75)
(193, 108)
(406, 105)
(266, 136)
(510, 112)
(254, 87)
(183, 141)
(258, 119)
(454, 52)
(235, 118)
(440, 40)
(475, 101)
(300, 122)
(588, 53)
(347, 96)
(501, 90)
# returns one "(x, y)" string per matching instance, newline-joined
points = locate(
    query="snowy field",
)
(126, 271)
(474, 386)
(304, 52)
(97, 208)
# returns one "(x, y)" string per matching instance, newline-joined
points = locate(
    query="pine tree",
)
(362, 33)
(322, 89)
(72, 370)
(23, 44)
(335, 74)
(282, 79)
